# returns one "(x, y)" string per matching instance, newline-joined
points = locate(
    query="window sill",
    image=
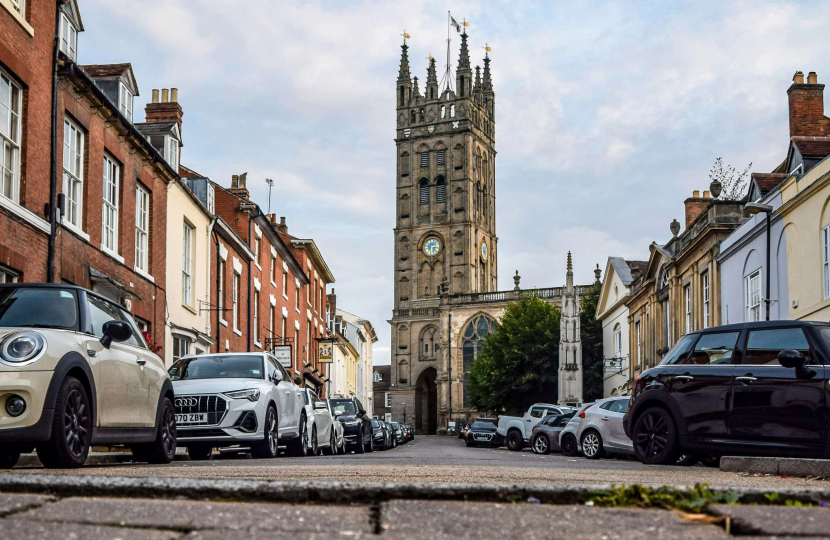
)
(285, 296)
(106, 251)
(223, 322)
(258, 267)
(257, 344)
(237, 332)
(189, 308)
(74, 230)
(144, 274)
(18, 17)
(274, 285)
(24, 213)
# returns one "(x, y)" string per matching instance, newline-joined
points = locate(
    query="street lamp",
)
(759, 208)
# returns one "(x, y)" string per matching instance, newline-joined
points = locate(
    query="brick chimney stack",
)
(331, 300)
(239, 187)
(806, 102)
(696, 205)
(166, 109)
(282, 226)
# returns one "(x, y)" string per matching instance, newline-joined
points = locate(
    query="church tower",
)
(570, 344)
(445, 239)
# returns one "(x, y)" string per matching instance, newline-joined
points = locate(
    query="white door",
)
(614, 429)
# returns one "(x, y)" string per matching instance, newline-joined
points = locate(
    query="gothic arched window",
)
(440, 190)
(427, 342)
(412, 117)
(443, 111)
(472, 342)
(424, 191)
(452, 110)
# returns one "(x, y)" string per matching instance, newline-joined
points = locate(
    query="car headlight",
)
(22, 347)
(250, 395)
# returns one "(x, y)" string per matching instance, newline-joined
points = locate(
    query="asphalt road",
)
(444, 459)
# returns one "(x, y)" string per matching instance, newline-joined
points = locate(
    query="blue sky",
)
(608, 114)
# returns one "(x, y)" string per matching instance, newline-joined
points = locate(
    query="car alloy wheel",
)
(268, 447)
(69, 443)
(655, 438)
(304, 428)
(568, 444)
(75, 418)
(541, 445)
(591, 445)
(273, 439)
(315, 447)
(168, 431)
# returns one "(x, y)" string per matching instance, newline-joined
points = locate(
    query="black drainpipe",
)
(250, 280)
(53, 175)
(216, 302)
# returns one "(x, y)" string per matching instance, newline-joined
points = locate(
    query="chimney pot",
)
(696, 194)
(706, 195)
(155, 95)
(806, 107)
(812, 78)
(174, 95)
(243, 180)
(235, 181)
(798, 78)
(165, 95)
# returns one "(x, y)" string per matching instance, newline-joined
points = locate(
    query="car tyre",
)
(69, 443)
(540, 444)
(711, 461)
(569, 446)
(687, 460)
(470, 444)
(314, 447)
(332, 447)
(360, 448)
(655, 438)
(515, 442)
(9, 458)
(199, 452)
(162, 450)
(299, 446)
(268, 447)
(592, 445)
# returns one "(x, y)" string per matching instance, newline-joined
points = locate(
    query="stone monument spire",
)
(570, 343)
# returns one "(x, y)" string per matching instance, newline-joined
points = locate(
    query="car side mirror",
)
(791, 359)
(115, 331)
(320, 406)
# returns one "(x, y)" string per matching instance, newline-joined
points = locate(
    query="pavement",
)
(439, 459)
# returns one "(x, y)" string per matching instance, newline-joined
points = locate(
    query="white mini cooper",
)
(76, 371)
(238, 399)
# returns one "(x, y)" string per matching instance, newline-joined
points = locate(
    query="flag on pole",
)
(455, 23)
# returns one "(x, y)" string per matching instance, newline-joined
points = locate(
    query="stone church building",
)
(446, 249)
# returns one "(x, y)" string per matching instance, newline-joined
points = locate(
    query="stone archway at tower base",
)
(426, 402)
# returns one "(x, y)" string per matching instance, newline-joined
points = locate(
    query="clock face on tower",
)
(431, 247)
(483, 251)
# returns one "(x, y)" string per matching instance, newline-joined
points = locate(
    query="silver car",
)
(601, 429)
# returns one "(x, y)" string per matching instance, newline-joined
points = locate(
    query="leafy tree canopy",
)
(518, 364)
(591, 336)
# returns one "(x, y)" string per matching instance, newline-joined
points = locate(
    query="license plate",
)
(191, 418)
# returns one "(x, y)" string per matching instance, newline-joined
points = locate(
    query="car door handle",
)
(747, 379)
(684, 378)
(605, 418)
(140, 361)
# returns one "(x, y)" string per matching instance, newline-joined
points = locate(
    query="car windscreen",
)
(217, 367)
(395, 425)
(344, 407)
(483, 425)
(37, 307)
(375, 423)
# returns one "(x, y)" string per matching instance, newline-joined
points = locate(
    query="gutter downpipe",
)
(250, 280)
(53, 173)
(218, 262)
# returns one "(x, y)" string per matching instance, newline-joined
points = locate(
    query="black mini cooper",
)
(756, 389)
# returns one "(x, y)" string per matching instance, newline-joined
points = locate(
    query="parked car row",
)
(75, 371)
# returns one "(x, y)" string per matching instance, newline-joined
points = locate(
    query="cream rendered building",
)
(345, 357)
(189, 226)
(361, 334)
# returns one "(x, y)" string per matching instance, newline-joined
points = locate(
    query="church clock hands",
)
(431, 247)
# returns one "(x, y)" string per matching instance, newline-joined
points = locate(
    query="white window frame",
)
(235, 299)
(125, 101)
(188, 233)
(220, 292)
(271, 314)
(7, 275)
(181, 347)
(73, 173)
(687, 300)
(388, 397)
(285, 283)
(172, 152)
(109, 212)
(273, 273)
(68, 38)
(639, 344)
(142, 229)
(753, 304)
(11, 107)
(618, 342)
(706, 298)
(825, 259)
(256, 319)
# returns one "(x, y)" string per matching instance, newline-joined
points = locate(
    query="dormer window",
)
(69, 38)
(172, 152)
(125, 101)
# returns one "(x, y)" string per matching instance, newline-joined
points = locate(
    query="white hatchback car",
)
(76, 371)
(601, 429)
(322, 425)
(238, 399)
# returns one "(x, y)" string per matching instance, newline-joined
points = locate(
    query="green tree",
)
(519, 360)
(591, 336)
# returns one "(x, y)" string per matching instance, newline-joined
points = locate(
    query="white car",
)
(321, 425)
(238, 399)
(601, 429)
(75, 371)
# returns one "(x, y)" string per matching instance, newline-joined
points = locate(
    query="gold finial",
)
(430, 57)
(464, 22)
(405, 35)
(487, 47)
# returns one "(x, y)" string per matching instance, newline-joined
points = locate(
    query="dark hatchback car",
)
(756, 389)
(482, 432)
(544, 437)
(357, 426)
(380, 435)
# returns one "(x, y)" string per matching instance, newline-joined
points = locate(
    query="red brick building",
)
(107, 182)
